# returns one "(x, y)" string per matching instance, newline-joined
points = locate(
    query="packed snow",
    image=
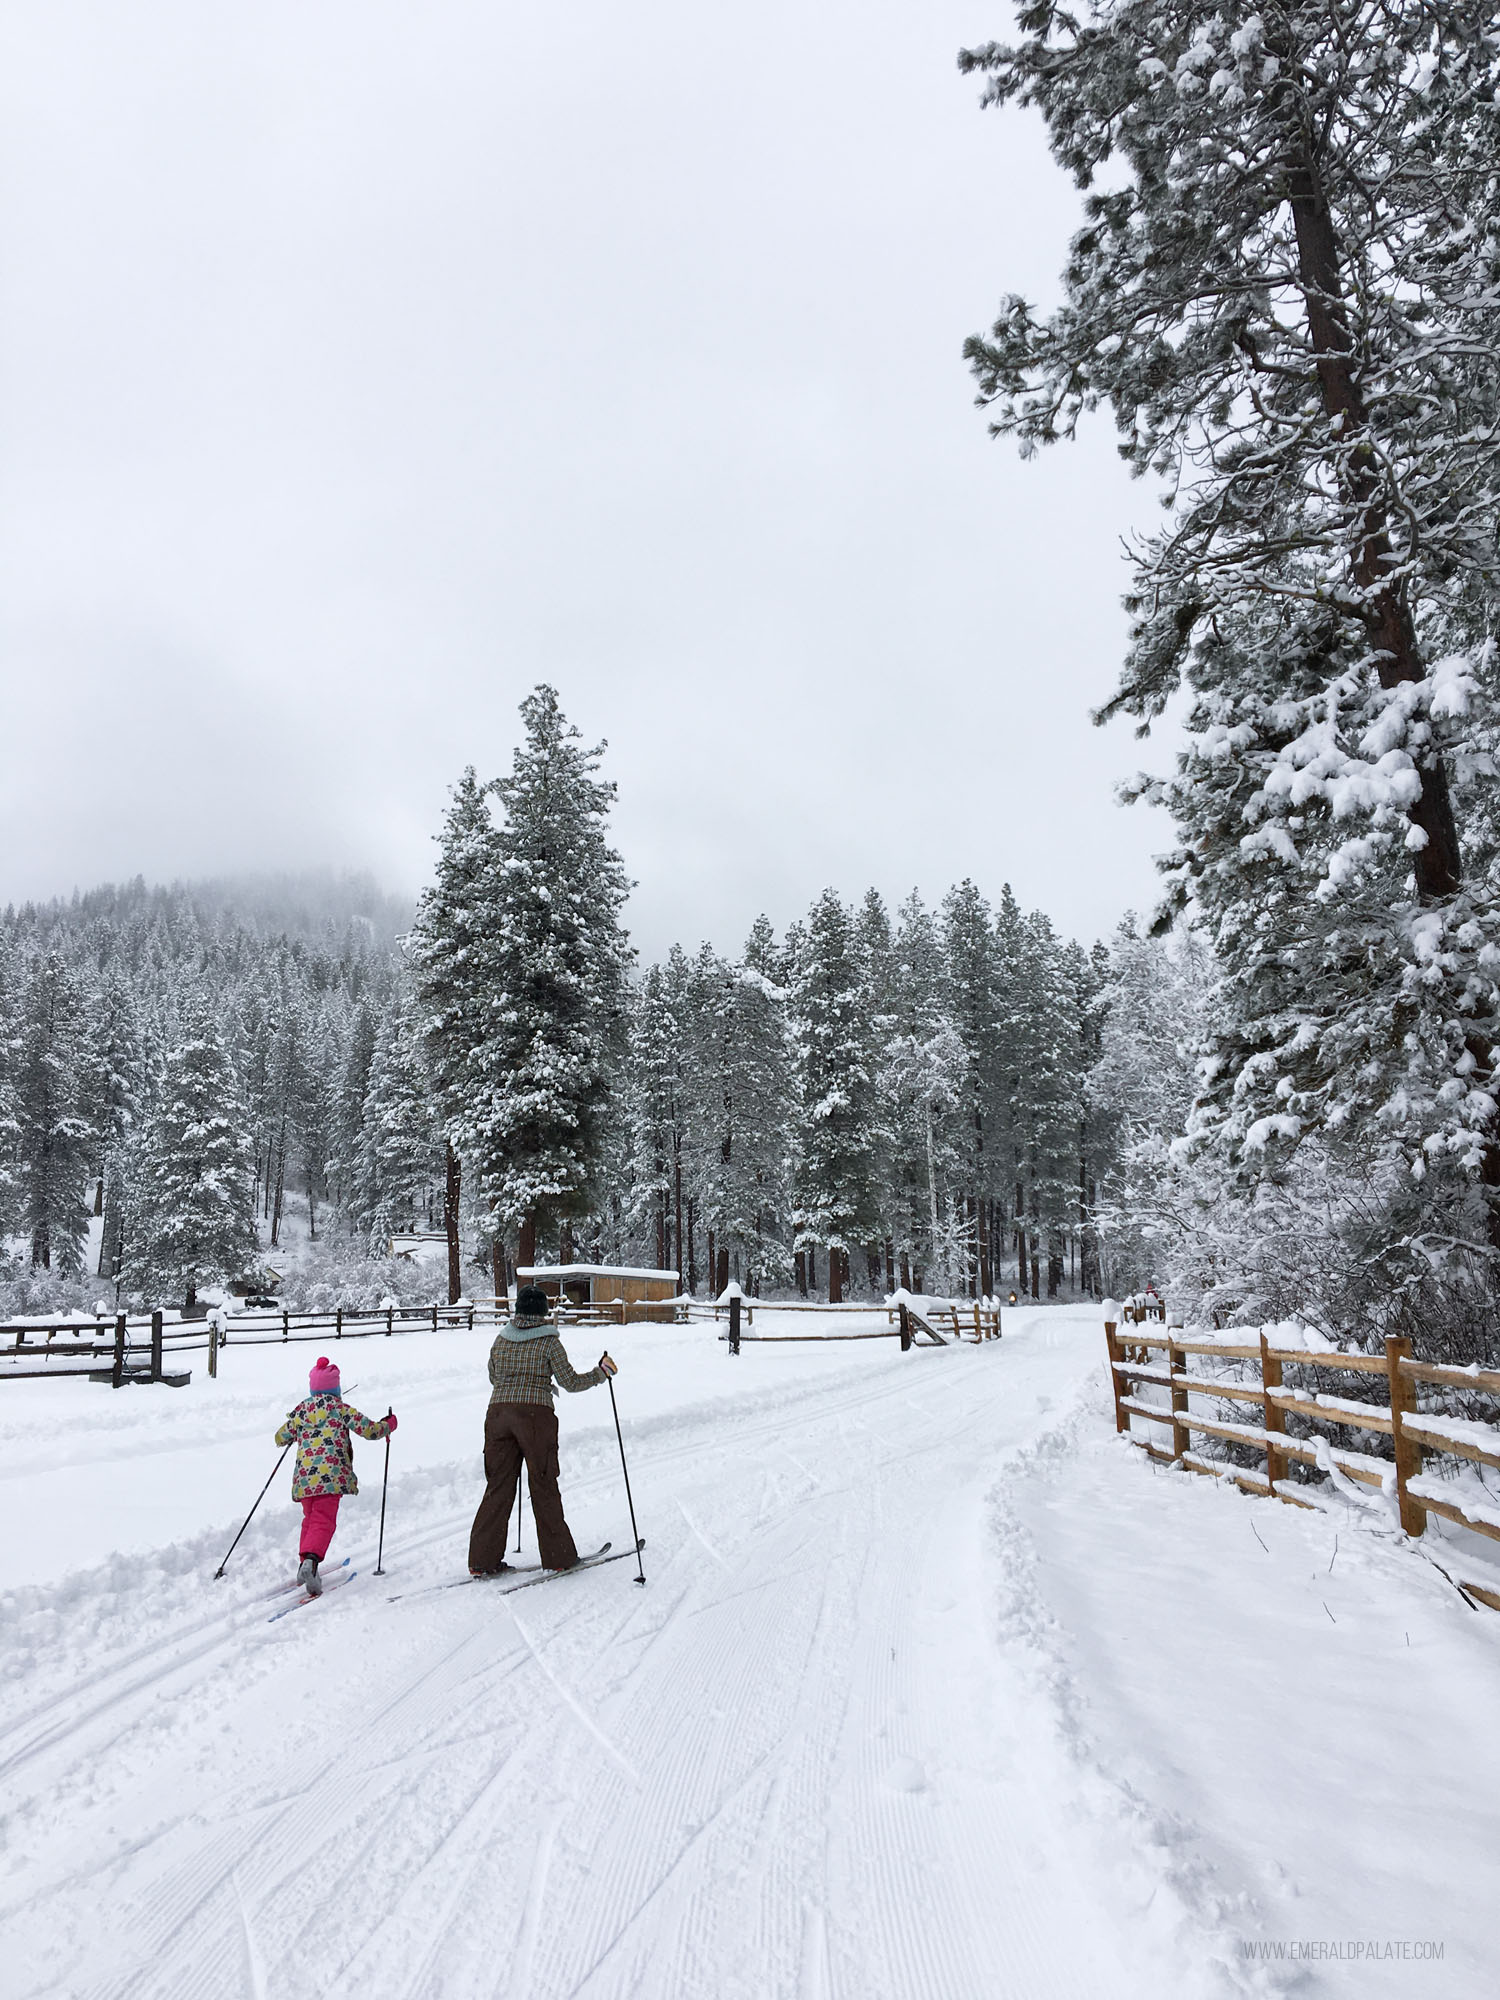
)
(936, 1688)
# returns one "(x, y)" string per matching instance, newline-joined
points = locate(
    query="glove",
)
(609, 1367)
(391, 1421)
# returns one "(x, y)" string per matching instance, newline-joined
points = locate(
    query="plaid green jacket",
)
(525, 1360)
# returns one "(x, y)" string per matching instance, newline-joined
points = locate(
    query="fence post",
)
(390, 1321)
(213, 1349)
(434, 1319)
(286, 1324)
(338, 1322)
(471, 1315)
(1116, 1353)
(1273, 1418)
(119, 1370)
(156, 1345)
(1177, 1363)
(978, 1329)
(1408, 1453)
(905, 1318)
(734, 1324)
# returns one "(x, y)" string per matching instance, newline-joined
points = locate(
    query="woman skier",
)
(320, 1427)
(522, 1424)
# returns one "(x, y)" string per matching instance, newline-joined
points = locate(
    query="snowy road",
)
(835, 1749)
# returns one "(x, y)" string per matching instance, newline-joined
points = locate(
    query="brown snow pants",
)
(513, 1432)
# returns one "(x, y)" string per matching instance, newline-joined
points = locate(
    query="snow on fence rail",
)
(1414, 1432)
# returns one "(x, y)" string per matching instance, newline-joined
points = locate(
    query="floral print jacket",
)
(320, 1427)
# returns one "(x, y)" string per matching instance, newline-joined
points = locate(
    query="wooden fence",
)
(968, 1321)
(138, 1347)
(143, 1347)
(1414, 1431)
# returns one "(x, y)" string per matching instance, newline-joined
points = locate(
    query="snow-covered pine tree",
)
(765, 1110)
(1049, 1102)
(401, 1152)
(1287, 292)
(1154, 1019)
(10, 1063)
(738, 1118)
(528, 1010)
(874, 937)
(193, 1220)
(656, 1113)
(459, 982)
(345, 1172)
(918, 1087)
(316, 1102)
(55, 1139)
(111, 1086)
(970, 975)
(1014, 1026)
(836, 1109)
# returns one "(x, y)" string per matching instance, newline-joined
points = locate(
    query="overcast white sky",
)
(364, 363)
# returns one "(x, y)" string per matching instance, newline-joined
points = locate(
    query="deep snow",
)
(936, 1689)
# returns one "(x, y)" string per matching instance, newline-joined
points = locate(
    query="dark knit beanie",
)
(531, 1305)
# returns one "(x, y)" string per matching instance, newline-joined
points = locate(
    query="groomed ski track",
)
(831, 1752)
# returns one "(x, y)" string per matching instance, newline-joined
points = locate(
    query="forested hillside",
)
(236, 1076)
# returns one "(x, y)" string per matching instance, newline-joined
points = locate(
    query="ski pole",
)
(384, 1482)
(635, 1532)
(251, 1515)
(520, 1501)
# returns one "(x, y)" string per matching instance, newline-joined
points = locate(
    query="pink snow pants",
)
(320, 1516)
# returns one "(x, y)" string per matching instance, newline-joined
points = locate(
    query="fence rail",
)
(1415, 1433)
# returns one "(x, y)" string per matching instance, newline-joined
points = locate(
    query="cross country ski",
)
(491, 1576)
(309, 1597)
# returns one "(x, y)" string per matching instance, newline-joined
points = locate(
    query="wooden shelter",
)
(619, 1289)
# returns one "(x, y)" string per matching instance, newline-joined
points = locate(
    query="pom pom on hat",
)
(323, 1375)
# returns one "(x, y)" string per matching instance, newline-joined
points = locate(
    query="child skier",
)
(320, 1428)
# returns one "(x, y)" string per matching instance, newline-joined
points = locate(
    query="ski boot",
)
(307, 1576)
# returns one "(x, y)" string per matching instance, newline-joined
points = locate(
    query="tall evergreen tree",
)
(452, 947)
(1287, 293)
(836, 1208)
(194, 1222)
(55, 1138)
(401, 1154)
(521, 957)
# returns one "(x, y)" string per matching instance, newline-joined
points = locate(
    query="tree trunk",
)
(499, 1277)
(835, 1277)
(526, 1244)
(799, 1262)
(932, 1200)
(280, 1183)
(890, 1265)
(1386, 609)
(451, 1192)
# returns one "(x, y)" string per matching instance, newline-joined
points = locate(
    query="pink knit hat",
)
(324, 1376)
